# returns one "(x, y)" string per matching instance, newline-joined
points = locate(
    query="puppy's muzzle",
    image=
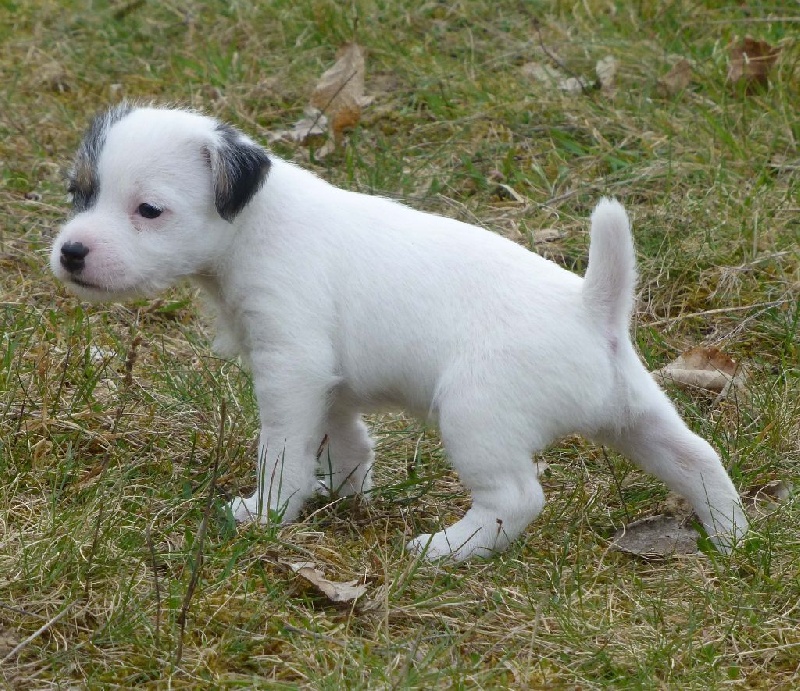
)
(73, 255)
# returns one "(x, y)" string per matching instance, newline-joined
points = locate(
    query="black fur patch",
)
(84, 185)
(239, 168)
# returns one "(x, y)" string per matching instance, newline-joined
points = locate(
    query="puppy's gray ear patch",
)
(238, 169)
(83, 182)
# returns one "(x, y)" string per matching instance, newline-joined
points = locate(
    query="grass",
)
(112, 418)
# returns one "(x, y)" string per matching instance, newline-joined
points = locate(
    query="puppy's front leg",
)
(292, 397)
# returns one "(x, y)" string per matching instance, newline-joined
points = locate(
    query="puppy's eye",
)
(148, 211)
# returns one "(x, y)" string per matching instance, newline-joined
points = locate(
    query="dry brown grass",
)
(110, 417)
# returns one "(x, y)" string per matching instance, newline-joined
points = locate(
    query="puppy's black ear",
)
(238, 169)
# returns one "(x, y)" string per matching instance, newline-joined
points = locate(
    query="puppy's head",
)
(155, 194)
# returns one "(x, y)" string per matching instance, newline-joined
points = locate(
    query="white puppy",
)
(342, 303)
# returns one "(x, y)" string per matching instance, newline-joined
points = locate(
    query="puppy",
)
(342, 303)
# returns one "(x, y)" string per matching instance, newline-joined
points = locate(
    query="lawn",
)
(122, 434)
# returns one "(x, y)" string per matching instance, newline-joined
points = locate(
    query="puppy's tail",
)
(608, 287)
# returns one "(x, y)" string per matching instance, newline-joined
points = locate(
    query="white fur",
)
(343, 303)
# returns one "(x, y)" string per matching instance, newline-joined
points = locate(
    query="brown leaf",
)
(326, 149)
(777, 490)
(312, 128)
(542, 235)
(704, 368)
(574, 85)
(750, 62)
(377, 601)
(656, 536)
(504, 191)
(767, 498)
(542, 73)
(335, 591)
(676, 80)
(340, 90)
(54, 77)
(553, 76)
(606, 70)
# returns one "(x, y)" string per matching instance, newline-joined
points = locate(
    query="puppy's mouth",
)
(85, 284)
(99, 292)
(89, 290)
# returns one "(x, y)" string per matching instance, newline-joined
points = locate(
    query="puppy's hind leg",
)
(495, 464)
(660, 443)
(347, 458)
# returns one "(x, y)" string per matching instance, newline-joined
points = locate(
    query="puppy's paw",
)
(246, 509)
(323, 488)
(447, 545)
(434, 547)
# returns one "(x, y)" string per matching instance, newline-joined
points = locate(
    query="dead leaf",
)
(311, 129)
(377, 601)
(542, 235)
(574, 85)
(606, 70)
(676, 80)
(100, 355)
(542, 73)
(340, 90)
(777, 490)
(767, 498)
(675, 505)
(703, 368)
(327, 148)
(656, 536)
(335, 591)
(504, 191)
(546, 74)
(750, 62)
(8, 641)
(53, 76)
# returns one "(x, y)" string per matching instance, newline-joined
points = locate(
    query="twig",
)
(201, 536)
(756, 20)
(330, 100)
(314, 634)
(127, 8)
(19, 610)
(24, 644)
(92, 549)
(103, 466)
(412, 650)
(558, 61)
(719, 310)
(152, 549)
(62, 380)
(130, 361)
(100, 469)
(321, 447)
(618, 484)
(739, 328)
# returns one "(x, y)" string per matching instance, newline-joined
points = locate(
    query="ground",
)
(118, 566)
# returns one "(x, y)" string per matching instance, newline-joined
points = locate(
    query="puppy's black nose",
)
(72, 256)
